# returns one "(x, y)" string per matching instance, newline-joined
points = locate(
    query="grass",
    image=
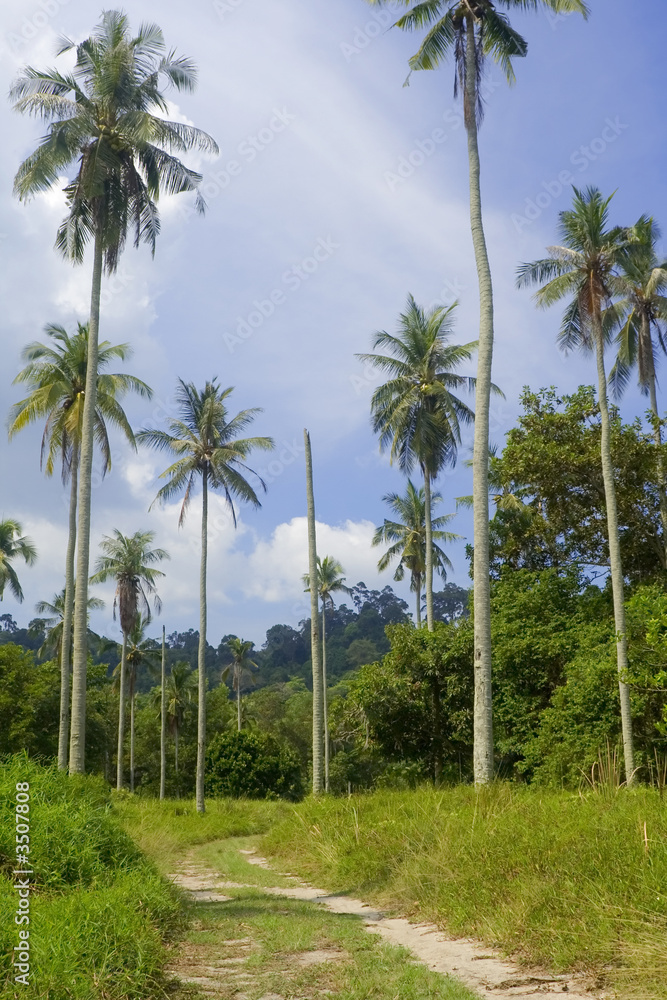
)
(565, 881)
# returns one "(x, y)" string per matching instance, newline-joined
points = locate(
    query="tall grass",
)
(566, 881)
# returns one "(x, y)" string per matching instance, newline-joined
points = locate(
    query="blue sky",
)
(331, 195)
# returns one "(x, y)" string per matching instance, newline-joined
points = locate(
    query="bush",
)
(253, 765)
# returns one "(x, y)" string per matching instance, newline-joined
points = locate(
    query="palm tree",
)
(641, 309)
(416, 413)
(55, 374)
(107, 116)
(407, 539)
(205, 444)
(129, 561)
(315, 649)
(179, 696)
(242, 665)
(582, 269)
(330, 580)
(163, 716)
(54, 624)
(467, 32)
(141, 652)
(13, 545)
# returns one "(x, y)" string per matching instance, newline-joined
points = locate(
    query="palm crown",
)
(13, 545)
(130, 561)
(53, 624)
(55, 374)
(205, 443)
(416, 412)
(105, 115)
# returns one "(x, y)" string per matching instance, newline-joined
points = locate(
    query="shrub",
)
(253, 765)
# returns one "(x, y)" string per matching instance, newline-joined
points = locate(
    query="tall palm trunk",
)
(325, 700)
(163, 718)
(132, 698)
(419, 599)
(429, 550)
(483, 711)
(201, 659)
(238, 699)
(615, 564)
(318, 703)
(178, 784)
(657, 433)
(121, 716)
(77, 748)
(66, 645)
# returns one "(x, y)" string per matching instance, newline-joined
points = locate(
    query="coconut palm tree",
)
(315, 648)
(55, 374)
(163, 716)
(130, 561)
(242, 665)
(467, 32)
(330, 580)
(142, 653)
(582, 269)
(107, 116)
(13, 545)
(417, 413)
(180, 694)
(206, 446)
(54, 624)
(407, 539)
(640, 312)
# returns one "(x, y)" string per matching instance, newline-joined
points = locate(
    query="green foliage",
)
(252, 765)
(29, 703)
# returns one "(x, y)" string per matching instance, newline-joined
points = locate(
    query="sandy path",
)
(480, 968)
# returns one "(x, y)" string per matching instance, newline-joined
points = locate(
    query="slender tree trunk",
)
(176, 760)
(121, 716)
(201, 659)
(419, 600)
(429, 550)
(318, 704)
(163, 718)
(437, 730)
(77, 747)
(657, 433)
(325, 700)
(483, 710)
(66, 645)
(617, 584)
(132, 697)
(238, 698)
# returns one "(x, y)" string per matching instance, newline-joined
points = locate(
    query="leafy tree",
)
(204, 441)
(28, 703)
(13, 545)
(329, 582)
(407, 539)
(417, 413)
(55, 374)
(468, 33)
(108, 116)
(451, 603)
(252, 765)
(582, 269)
(142, 653)
(130, 561)
(242, 666)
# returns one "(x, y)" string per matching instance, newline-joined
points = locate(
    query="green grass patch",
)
(560, 880)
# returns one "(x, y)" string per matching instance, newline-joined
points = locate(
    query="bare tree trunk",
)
(163, 718)
(77, 746)
(617, 584)
(657, 433)
(483, 710)
(318, 704)
(238, 698)
(66, 645)
(429, 549)
(325, 700)
(201, 659)
(132, 697)
(418, 619)
(121, 716)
